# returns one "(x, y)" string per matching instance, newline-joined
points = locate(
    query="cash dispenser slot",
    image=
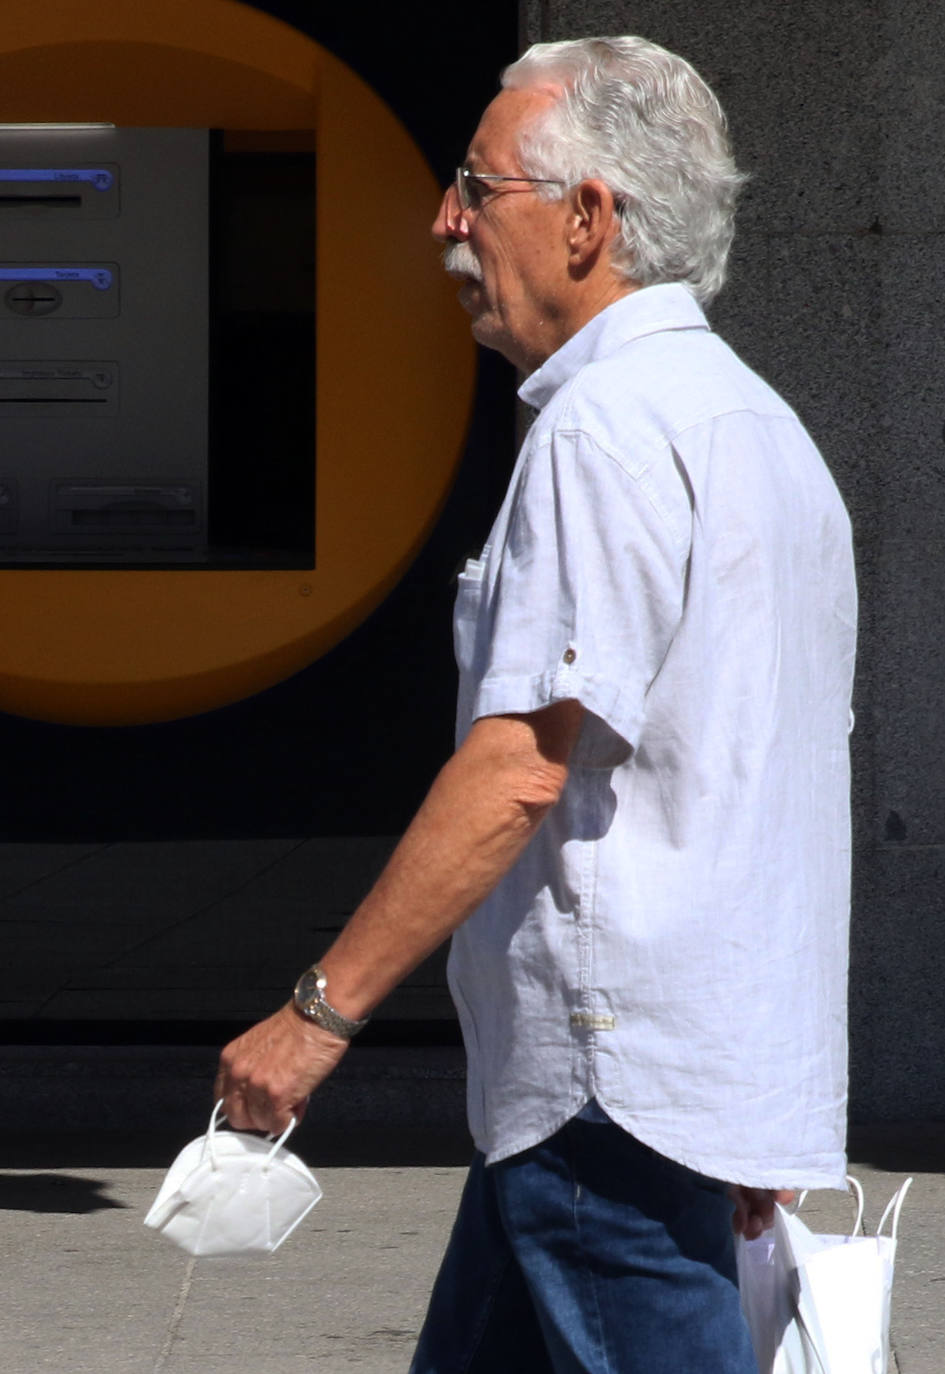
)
(89, 508)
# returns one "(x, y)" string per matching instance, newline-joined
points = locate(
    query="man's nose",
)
(450, 222)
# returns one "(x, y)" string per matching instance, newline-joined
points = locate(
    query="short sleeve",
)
(585, 594)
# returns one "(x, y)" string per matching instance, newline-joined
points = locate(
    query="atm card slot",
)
(24, 202)
(66, 192)
(44, 388)
(92, 508)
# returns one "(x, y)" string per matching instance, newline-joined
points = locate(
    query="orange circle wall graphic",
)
(394, 374)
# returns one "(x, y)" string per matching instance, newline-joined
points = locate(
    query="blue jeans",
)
(587, 1254)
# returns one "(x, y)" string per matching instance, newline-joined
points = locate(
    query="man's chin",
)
(484, 325)
(484, 331)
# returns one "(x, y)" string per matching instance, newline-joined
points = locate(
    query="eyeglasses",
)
(470, 194)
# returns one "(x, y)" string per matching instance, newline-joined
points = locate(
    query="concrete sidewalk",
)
(88, 1290)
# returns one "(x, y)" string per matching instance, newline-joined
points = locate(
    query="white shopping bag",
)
(229, 1193)
(819, 1304)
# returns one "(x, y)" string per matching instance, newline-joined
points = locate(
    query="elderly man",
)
(641, 842)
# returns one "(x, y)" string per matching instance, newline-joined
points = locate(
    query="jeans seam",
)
(586, 1268)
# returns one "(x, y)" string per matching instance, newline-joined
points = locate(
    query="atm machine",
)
(156, 349)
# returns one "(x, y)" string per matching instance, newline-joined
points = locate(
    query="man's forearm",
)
(482, 811)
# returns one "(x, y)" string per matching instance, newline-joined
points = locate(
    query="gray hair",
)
(643, 121)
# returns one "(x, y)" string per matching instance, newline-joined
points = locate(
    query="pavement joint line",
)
(176, 1317)
(137, 945)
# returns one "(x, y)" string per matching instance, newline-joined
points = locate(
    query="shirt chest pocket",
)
(466, 614)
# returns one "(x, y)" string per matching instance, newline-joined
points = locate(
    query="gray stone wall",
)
(838, 113)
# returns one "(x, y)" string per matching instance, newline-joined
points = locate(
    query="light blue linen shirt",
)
(672, 552)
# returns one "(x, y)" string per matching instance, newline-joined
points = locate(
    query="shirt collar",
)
(651, 310)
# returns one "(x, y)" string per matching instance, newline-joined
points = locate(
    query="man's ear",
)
(593, 222)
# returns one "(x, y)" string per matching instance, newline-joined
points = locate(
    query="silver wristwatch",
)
(310, 1000)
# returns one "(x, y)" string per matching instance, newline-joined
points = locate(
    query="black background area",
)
(350, 745)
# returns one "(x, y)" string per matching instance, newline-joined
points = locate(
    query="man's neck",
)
(599, 295)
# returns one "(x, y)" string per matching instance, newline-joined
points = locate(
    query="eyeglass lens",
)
(464, 190)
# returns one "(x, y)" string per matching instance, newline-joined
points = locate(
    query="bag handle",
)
(858, 1193)
(894, 1205)
(857, 1190)
(210, 1138)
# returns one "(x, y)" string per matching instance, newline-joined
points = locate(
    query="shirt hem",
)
(544, 1132)
(829, 1173)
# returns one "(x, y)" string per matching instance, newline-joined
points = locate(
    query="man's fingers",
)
(266, 1074)
(754, 1208)
(256, 1106)
(247, 1112)
(247, 1106)
(740, 1214)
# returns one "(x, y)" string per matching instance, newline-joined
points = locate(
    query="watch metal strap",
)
(311, 1001)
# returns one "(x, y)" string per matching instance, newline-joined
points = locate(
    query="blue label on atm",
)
(99, 177)
(100, 277)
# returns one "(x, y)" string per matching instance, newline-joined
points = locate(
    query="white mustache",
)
(459, 258)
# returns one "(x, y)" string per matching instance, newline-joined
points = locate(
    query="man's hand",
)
(266, 1075)
(754, 1208)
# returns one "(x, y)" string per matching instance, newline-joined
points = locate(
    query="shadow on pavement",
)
(54, 1193)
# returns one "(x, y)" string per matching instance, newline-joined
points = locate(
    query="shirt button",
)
(570, 655)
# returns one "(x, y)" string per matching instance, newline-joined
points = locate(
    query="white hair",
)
(644, 122)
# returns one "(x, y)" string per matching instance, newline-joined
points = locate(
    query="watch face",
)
(309, 998)
(308, 989)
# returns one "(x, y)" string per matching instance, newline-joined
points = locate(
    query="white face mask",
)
(233, 1194)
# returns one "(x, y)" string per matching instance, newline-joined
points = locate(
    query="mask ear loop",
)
(267, 1162)
(210, 1138)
